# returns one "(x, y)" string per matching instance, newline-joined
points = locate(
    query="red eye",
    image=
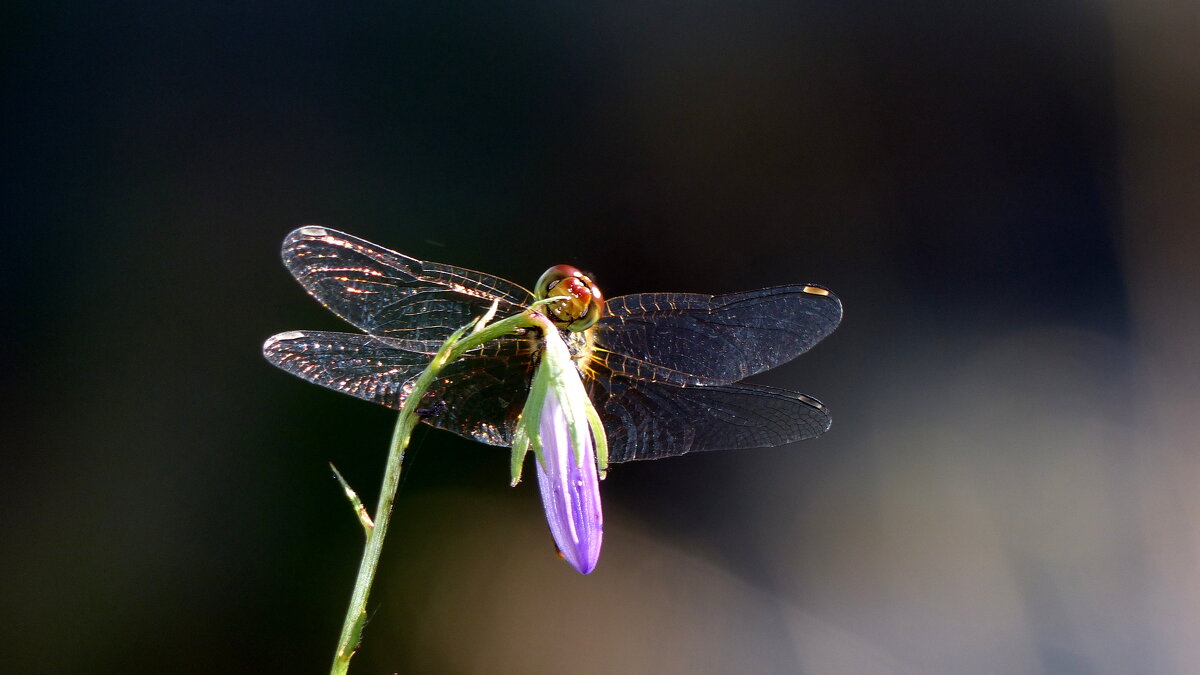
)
(581, 302)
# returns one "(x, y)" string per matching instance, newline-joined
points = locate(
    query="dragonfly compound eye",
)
(581, 302)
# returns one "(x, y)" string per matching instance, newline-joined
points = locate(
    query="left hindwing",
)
(479, 396)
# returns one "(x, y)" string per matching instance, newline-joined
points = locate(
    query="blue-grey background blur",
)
(1005, 196)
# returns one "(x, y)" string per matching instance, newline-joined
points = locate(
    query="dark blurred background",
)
(1005, 196)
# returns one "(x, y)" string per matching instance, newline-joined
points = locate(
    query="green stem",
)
(455, 346)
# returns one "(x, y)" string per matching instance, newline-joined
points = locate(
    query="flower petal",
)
(570, 487)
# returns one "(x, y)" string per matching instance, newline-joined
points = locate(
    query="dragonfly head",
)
(581, 303)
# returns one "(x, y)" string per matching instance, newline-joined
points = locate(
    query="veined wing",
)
(387, 293)
(719, 338)
(479, 396)
(650, 420)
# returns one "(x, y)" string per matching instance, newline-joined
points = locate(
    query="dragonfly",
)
(663, 370)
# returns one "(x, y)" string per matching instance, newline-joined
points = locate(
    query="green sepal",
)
(526, 436)
(599, 437)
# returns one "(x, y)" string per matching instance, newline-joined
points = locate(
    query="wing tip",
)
(818, 291)
(310, 232)
(826, 418)
(270, 344)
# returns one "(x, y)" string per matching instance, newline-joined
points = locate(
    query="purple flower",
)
(570, 487)
(561, 426)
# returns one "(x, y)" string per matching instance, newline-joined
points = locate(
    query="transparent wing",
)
(478, 396)
(719, 338)
(651, 420)
(387, 293)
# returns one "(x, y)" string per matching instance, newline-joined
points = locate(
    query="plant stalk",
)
(454, 347)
